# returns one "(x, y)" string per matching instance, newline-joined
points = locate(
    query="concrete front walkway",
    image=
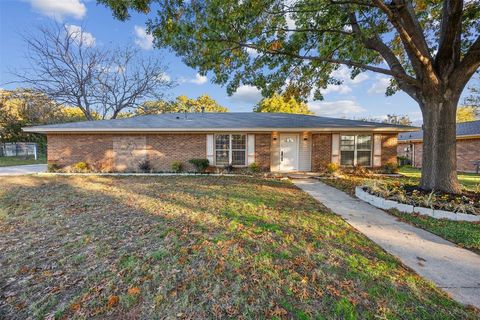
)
(455, 270)
(21, 170)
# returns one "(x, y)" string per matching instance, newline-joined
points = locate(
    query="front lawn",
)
(196, 248)
(469, 181)
(17, 161)
(465, 234)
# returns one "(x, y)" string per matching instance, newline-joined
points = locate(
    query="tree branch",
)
(448, 53)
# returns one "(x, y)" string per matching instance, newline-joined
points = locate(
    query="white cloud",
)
(80, 36)
(380, 86)
(340, 89)
(339, 108)
(142, 38)
(59, 9)
(165, 77)
(252, 52)
(199, 79)
(247, 94)
(343, 74)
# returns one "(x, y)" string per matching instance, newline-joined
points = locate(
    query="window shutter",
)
(250, 149)
(377, 150)
(336, 148)
(210, 155)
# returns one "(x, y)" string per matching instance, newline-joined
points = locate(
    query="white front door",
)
(288, 152)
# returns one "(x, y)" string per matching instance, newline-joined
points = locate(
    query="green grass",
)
(17, 161)
(196, 247)
(465, 234)
(469, 181)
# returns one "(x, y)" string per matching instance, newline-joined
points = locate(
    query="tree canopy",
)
(282, 103)
(26, 107)
(180, 104)
(467, 113)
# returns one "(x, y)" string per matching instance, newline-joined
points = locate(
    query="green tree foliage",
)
(25, 107)
(180, 104)
(403, 120)
(467, 113)
(281, 103)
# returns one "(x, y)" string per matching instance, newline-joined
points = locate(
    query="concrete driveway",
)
(21, 170)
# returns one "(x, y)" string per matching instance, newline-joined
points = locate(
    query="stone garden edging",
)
(386, 204)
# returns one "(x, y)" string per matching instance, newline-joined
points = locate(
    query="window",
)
(230, 148)
(356, 150)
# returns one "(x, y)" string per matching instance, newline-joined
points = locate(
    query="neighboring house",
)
(410, 145)
(274, 141)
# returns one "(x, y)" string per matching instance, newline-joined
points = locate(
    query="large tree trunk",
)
(439, 158)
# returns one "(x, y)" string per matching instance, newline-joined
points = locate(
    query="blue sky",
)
(362, 97)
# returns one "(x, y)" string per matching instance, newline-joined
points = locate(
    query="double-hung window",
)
(356, 150)
(230, 149)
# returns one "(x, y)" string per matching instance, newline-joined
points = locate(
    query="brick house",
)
(410, 145)
(274, 141)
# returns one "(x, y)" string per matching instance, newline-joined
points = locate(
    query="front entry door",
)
(288, 152)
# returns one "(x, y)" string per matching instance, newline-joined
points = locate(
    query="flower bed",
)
(409, 198)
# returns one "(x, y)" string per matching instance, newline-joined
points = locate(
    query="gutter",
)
(199, 130)
(465, 137)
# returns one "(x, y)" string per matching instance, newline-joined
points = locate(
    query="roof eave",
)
(164, 130)
(460, 137)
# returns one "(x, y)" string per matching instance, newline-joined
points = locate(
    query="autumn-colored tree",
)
(430, 49)
(467, 113)
(281, 103)
(181, 104)
(26, 107)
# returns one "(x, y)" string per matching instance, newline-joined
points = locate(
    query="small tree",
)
(282, 103)
(181, 103)
(467, 113)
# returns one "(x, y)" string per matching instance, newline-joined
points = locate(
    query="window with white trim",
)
(356, 150)
(230, 149)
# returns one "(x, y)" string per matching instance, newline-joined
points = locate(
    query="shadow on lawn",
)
(201, 247)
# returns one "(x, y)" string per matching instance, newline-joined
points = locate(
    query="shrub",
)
(403, 161)
(390, 168)
(81, 167)
(53, 167)
(145, 166)
(177, 166)
(254, 167)
(332, 167)
(200, 164)
(229, 168)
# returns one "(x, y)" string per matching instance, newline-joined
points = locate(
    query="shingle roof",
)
(470, 128)
(217, 121)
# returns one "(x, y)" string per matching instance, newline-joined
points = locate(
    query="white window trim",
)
(230, 150)
(355, 149)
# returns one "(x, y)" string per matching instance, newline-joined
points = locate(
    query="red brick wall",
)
(389, 148)
(163, 149)
(68, 149)
(321, 151)
(468, 150)
(97, 150)
(263, 144)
